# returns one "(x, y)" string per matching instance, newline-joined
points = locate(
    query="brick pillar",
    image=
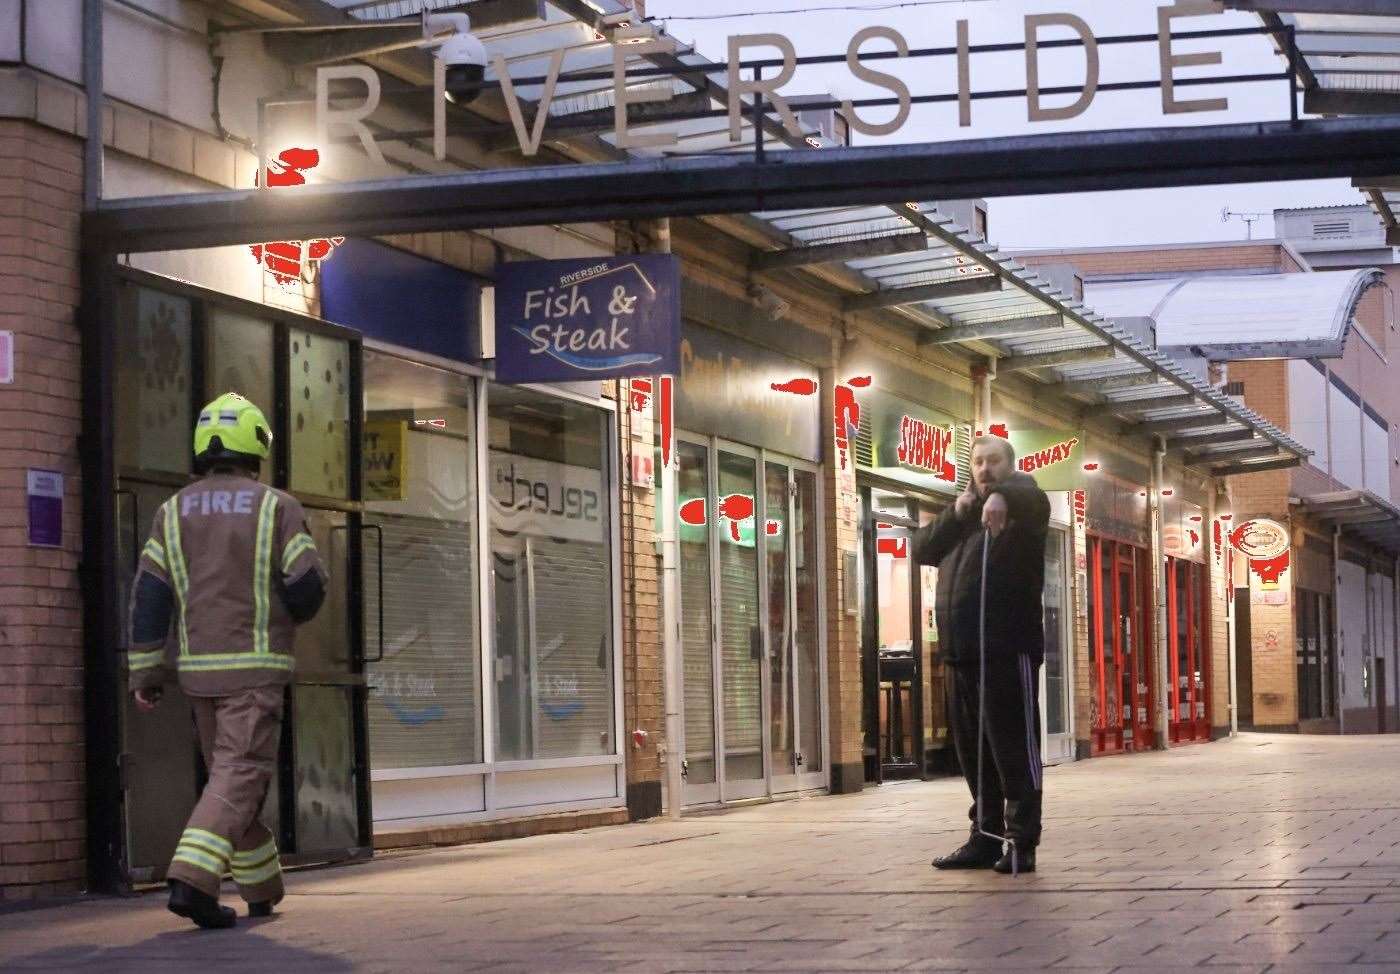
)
(1082, 651)
(42, 817)
(841, 545)
(641, 617)
(1218, 585)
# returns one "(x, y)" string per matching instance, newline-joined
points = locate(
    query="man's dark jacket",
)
(1015, 575)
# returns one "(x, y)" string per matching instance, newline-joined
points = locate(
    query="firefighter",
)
(228, 572)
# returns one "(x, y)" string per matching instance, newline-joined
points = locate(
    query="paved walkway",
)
(1266, 853)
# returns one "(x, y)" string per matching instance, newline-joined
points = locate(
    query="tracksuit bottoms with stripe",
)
(1011, 742)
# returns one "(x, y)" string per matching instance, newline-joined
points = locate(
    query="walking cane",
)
(982, 703)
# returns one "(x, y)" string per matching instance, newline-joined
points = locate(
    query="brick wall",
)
(42, 816)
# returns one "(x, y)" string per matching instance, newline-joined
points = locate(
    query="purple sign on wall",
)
(45, 491)
(575, 320)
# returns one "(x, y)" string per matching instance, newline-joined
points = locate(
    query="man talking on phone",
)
(1002, 517)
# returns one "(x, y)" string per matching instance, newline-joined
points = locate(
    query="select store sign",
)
(910, 443)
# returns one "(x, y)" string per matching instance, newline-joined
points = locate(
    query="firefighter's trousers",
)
(238, 735)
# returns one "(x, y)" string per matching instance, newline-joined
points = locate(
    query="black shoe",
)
(974, 854)
(262, 908)
(196, 905)
(1017, 861)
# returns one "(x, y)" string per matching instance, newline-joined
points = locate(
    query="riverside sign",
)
(630, 41)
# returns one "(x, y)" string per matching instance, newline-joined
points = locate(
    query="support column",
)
(1161, 670)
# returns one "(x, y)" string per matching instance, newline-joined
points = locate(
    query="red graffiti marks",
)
(1266, 544)
(847, 421)
(1195, 538)
(1081, 506)
(437, 424)
(736, 508)
(1217, 539)
(1091, 467)
(692, 512)
(1048, 457)
(927, 447)
(1269, 569)
(773, 528)
(1168, 492)
(896, 547)
(999, 429)
(641, 395)
(666, 406)
(860, 381)
(290, 261)
(797, 387)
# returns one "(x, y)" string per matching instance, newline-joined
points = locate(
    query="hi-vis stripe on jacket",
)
(226, 548)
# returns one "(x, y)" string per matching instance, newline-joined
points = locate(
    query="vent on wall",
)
(1331, 228)
(864, 446)
(1234, 388)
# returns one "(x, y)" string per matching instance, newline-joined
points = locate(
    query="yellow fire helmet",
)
(231, 428)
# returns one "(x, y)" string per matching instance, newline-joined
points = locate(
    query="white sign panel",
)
(7, 357)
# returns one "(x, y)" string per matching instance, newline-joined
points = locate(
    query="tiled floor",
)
(1266, 853)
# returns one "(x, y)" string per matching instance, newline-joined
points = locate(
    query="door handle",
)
(379, 602)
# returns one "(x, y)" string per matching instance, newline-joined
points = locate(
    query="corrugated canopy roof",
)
(1360, 514)
(1245, 316)
(1348, 64)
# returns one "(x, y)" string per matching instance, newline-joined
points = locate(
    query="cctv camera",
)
(465, 57)
(462, 54)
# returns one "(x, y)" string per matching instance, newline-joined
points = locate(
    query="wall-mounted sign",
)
(7, 357)
(573, 320)
(908, 442)
(1266, 544)
(45, 490)
(727, 388)
(1116, 509)
(385, 465)
(1055, 458)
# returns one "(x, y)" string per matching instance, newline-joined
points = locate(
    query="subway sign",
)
(928, 447)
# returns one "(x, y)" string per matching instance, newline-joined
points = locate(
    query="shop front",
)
(1121, 707)
(911, 461)
(750, 603)
(1186, 577)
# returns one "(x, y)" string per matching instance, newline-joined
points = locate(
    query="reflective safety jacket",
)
(228, 571)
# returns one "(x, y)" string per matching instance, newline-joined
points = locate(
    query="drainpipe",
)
(982, 375)
(1159, 594)
(1339, 684)
(1395, 638)
(92, 86)
(1212, 498)
(669, 543)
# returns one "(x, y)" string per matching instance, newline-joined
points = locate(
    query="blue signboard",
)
(572, 320)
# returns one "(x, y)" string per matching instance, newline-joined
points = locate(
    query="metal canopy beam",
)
(1371, 8)
(1041, 360)
(1180, 423)
(1147, 405)
(992, 329)
(1251, 453)
(1111, 384)
(1326, 101)
(789, 180)
(1231, 469)
(1190, 440)
(897, 296)
(898, 243)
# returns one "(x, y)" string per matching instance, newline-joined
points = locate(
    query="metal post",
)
(1395, 637)
(1291, 38)
(666, 529)
(92, 88)
(1161, 726)
(759, 151)
(1339, 683)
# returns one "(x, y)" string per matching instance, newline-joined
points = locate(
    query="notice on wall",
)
(45, 490)
(7, 357)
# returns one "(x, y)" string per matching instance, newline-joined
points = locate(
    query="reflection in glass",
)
(319, 408)
(153, 396)
(697, 652)
(238, 358)
(776, 532)
(1054, 597)
(741, 642)
(552, 565)
(418, 483)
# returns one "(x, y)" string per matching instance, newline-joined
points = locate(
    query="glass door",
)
(1120, 704)
(179, 347)
(892, 636)
(740, 662)
(1186, 628)
(1058, 733)
(751, 642)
